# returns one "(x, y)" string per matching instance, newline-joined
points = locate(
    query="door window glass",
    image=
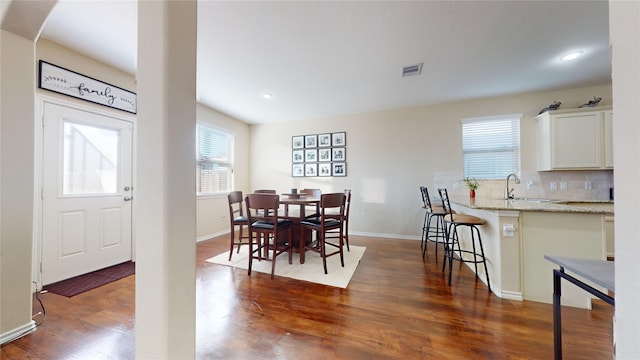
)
(90, 160)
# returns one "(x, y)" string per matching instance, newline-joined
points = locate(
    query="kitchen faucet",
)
(508, 193)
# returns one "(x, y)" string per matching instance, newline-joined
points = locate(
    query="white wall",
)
(390, 154)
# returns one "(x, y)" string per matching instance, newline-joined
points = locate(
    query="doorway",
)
(86, 191)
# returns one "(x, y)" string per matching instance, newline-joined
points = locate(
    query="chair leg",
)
(301, 244)
(346, 237)
(250, 252)
(341, 243)
(484, 261)
(290, 243)
(454, 241)
(240, 238)
(447, 247)
(232, 241)
(425, 233)
(274, 253)
(323, 251)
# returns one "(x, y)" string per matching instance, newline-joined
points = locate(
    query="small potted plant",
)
(471, 184)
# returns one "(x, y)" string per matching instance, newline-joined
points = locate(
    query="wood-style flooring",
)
(397, 306)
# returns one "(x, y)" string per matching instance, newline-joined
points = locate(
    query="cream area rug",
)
(311, 270)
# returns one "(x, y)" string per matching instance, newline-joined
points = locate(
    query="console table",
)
(599, 272)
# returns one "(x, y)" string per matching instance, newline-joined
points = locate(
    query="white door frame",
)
(41, 100)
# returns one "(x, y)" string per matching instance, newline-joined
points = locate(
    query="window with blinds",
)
(214, 161)
(491, 146)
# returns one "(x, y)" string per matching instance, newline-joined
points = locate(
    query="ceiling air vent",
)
(412, 70)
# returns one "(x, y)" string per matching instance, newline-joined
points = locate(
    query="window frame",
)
(510, 144)
(230, 163)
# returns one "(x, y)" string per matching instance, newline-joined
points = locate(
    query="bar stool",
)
(434, 233)
(452, 222)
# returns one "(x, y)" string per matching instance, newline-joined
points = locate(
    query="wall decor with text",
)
(319, 154)
(63, 81)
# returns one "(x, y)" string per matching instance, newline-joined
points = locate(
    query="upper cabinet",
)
(575, 139)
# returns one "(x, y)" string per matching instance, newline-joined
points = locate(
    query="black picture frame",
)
(297, 156)
(311, 170)
(297, 170)
(310, 155)
(70, 83)
(324, 169)
(339, 139)
(297, 142)
(324, 140)
(324, 155)
(310, 141)
(339, 154)
(339, 169)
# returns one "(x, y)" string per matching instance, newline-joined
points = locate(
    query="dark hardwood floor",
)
(397, 306)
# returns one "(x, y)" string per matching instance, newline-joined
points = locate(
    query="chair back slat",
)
(446, 205)
(265, 191)
(334, 203)
(426, 199)
(262, 207)
(235, 204)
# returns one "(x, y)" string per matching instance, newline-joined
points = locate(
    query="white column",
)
(164, 195)
(624, 33)
(17, 108)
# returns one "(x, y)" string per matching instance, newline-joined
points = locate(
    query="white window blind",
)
(491, 146)
(214, 160)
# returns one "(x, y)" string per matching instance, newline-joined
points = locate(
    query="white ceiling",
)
(327, 58)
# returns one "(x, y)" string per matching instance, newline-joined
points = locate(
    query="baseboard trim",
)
(211, 236)
(388, 236)
(18, 332)
(356, 233)
(510, 295)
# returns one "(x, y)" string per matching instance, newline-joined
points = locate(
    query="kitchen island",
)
(519, 233)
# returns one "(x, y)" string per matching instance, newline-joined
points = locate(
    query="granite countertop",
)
(564, 206)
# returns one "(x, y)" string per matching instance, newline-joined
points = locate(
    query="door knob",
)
(126, 198)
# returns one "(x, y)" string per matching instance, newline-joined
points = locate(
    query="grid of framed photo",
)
(319, 154)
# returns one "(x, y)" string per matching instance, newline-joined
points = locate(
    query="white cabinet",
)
(574, 139)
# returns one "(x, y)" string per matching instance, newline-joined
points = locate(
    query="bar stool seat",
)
(452, 246)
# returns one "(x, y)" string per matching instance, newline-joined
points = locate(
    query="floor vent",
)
(412, 70)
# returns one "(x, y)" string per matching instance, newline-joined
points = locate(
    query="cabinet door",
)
(576, 140)
(608, 139)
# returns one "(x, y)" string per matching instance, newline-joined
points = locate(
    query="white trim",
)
(213, 235)
(509, 295)
(18, 332)
(492, 117)
(390, 236)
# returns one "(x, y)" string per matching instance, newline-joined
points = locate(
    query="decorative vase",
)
(472, 194)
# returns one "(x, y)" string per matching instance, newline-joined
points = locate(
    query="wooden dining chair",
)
(331, 217)
(345, 228)
(313, 193)
(272, 233)
(264, 191)
(237, 219)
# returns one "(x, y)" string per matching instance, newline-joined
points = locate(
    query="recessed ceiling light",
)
(571, 56)
(267, 96)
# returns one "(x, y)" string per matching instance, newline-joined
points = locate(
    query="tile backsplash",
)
(560, 185)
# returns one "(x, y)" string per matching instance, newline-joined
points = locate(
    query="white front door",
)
(86, 221)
